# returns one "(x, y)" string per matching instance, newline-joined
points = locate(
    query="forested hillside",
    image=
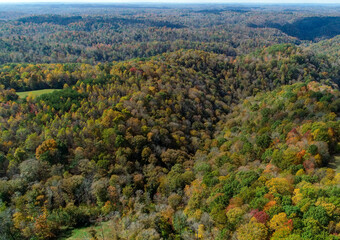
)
(309, 28)
(330, 48)
(153, 129)
(89, 36)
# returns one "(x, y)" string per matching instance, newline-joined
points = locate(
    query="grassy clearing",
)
(104, 230)
(35, 93)
(335, 163)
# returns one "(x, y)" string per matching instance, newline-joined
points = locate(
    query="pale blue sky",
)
(177, 1)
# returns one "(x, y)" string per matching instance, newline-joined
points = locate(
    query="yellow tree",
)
(252, 231)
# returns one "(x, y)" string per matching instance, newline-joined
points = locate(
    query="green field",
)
(335, 163)
(105, 230)
(35, 93)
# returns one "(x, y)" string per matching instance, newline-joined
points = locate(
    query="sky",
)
(177, 1)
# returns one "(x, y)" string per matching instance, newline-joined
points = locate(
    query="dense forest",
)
(309, 28)
(169, 122)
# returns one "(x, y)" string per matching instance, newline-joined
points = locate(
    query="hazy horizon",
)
(180, 1)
